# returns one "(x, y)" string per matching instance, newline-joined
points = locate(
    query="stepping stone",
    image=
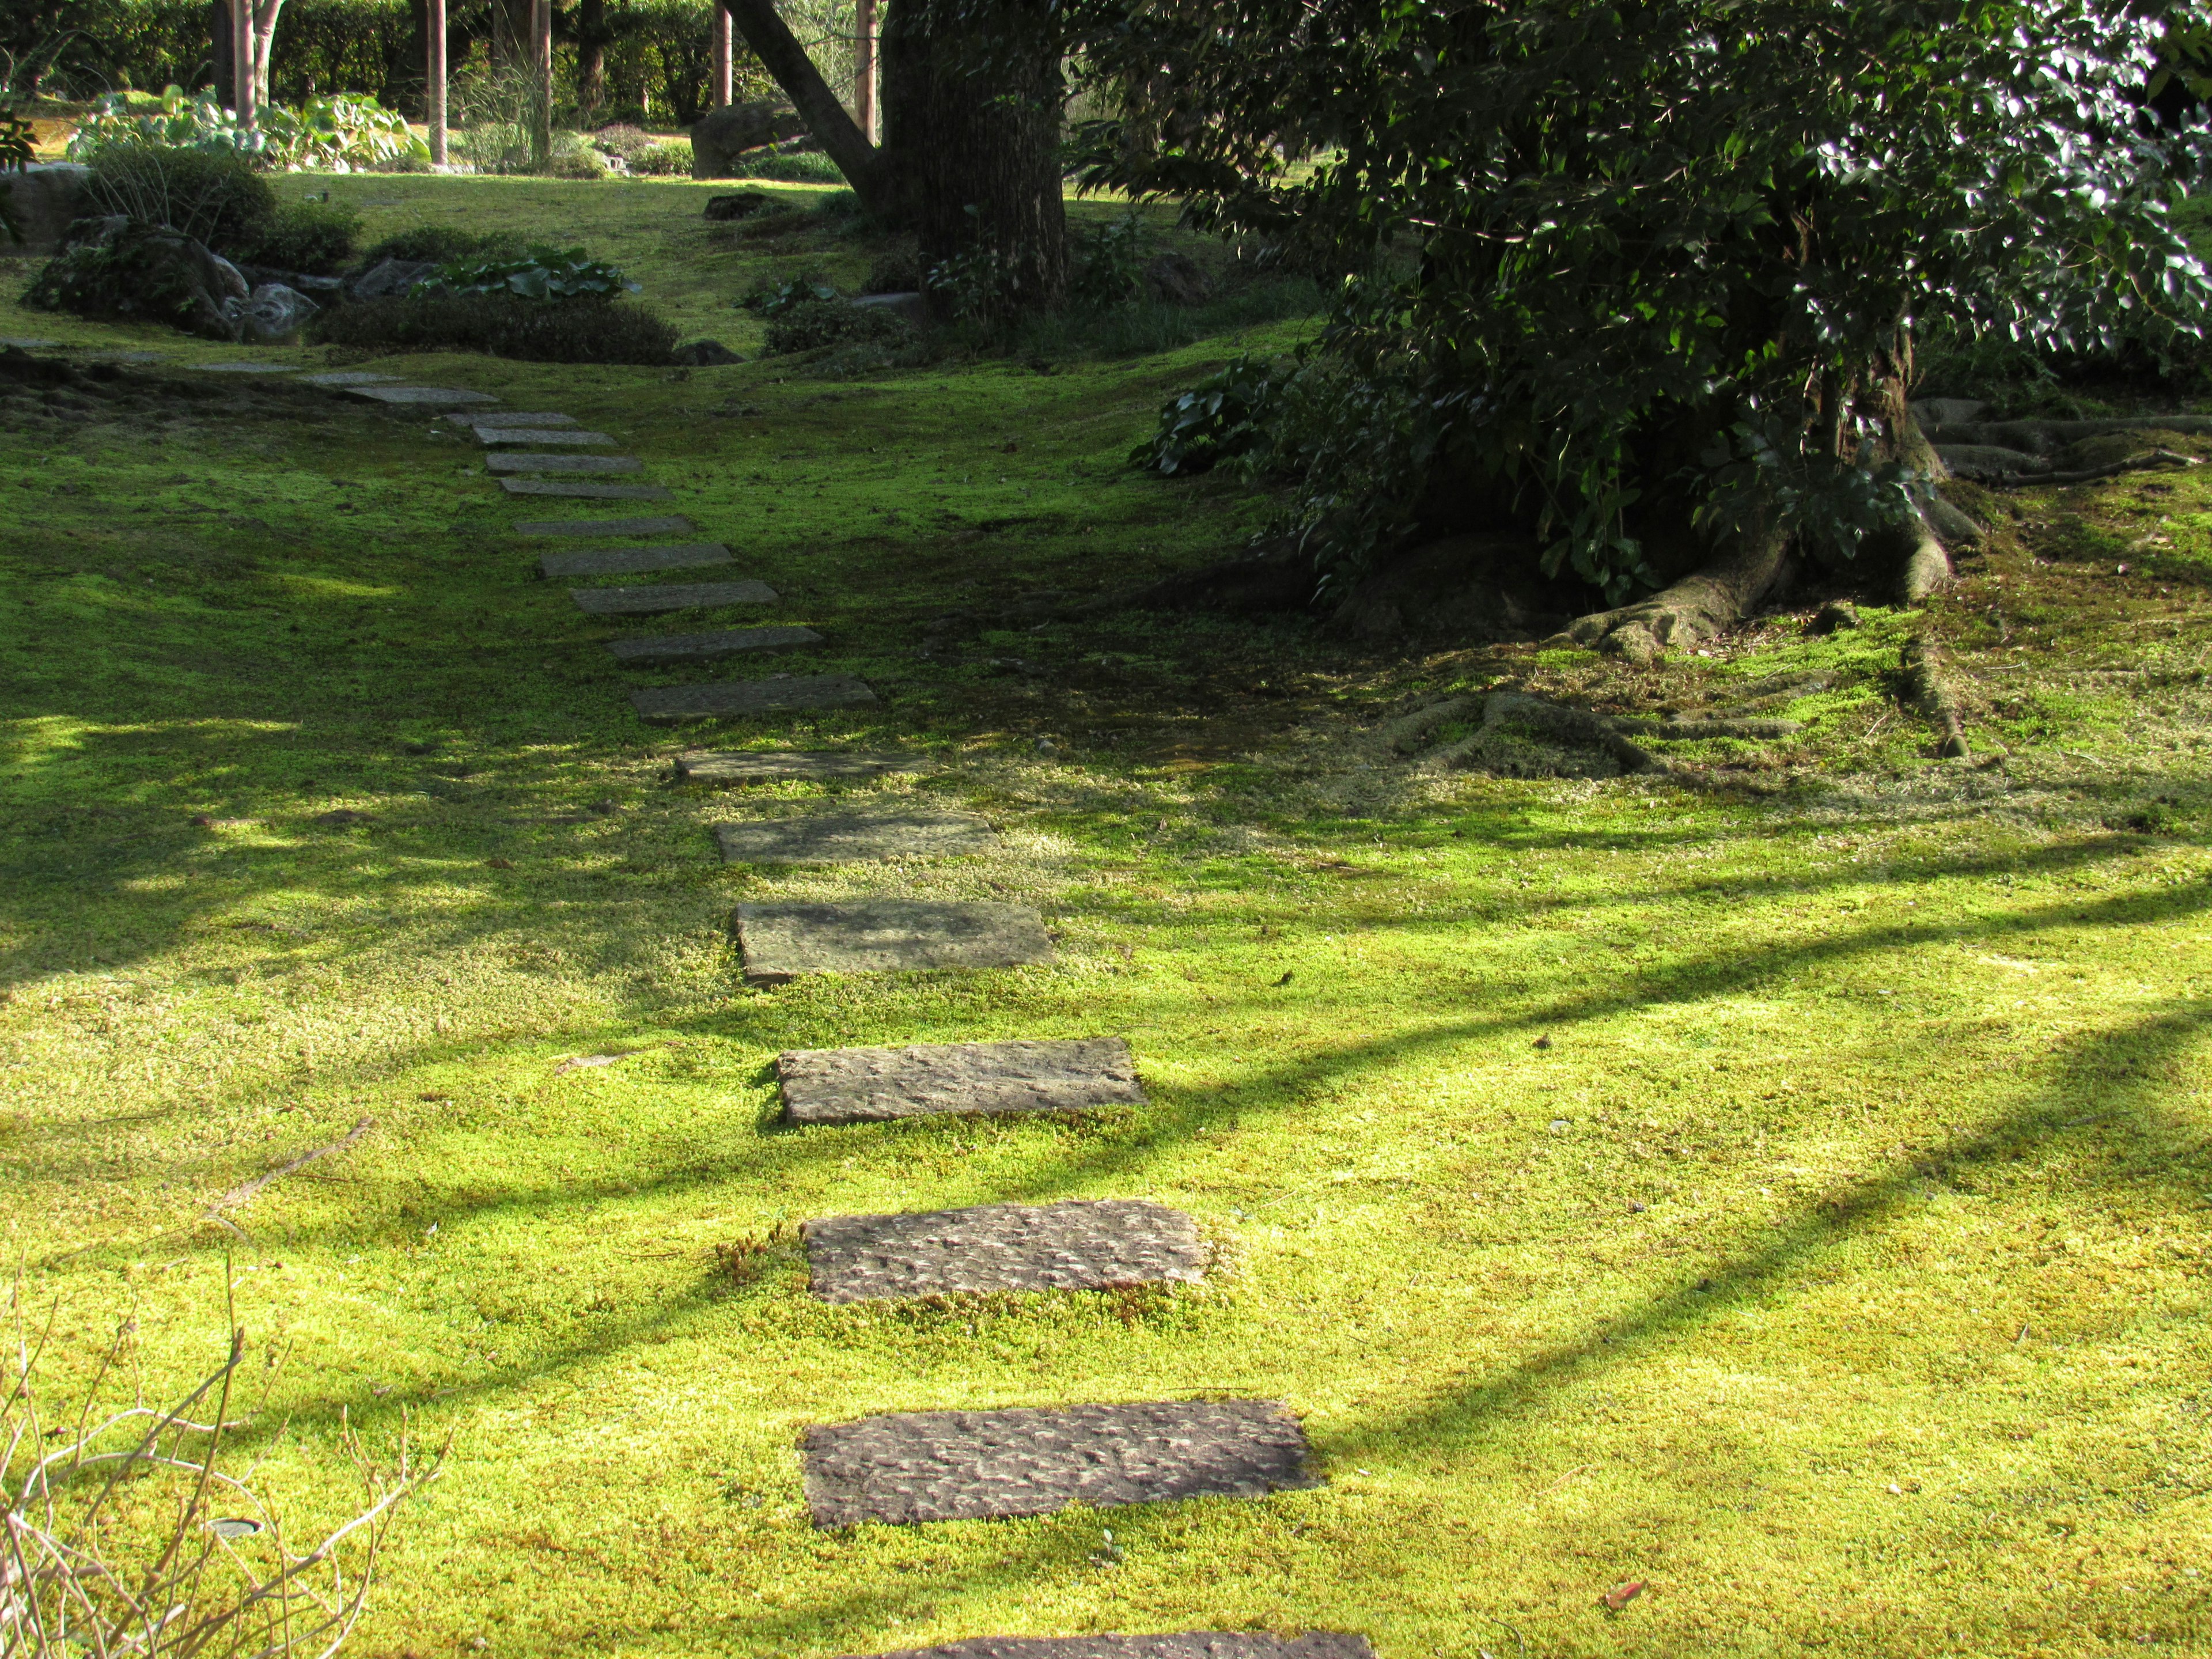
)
(639, 601)
(966, 1465)
(1187, 1645)
(349, 377)
(529, 463)
(687, 647)
(731, 699)
(29, 345)
(419, 397)
(589, 492)
(777, 765)
(527, 434)
(885, 936)
(247, 368)
(854, 838)
(514, 417)
(873, 1086)
(1075, 1246)
(668, 524)
(628, 561)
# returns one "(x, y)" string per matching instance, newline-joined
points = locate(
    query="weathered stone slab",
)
(694, 647)
(644, 601)
(628, 561)
(731, 699)
(855, 837)
(420, 397)
(247, 368)
(20, 344)
(349, 377)
(1075, 1246)
(669, 524)
(780, 942)
(965, 1466)
(1185, 1644)
(529, 462)
(533, 435)
(778, 765)
(531, 417)
(586, 492)
(871, 1085)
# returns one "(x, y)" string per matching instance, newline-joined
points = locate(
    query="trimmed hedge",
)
(503, 326)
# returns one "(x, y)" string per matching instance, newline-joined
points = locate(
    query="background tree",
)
(1646, 283)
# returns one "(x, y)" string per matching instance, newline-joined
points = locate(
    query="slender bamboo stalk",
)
(434, 110)
(541, 63)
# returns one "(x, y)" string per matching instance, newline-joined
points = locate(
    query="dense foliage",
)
(546, 274)
(324, 133)
(502, 325)
(213, 196)
(1620, 272)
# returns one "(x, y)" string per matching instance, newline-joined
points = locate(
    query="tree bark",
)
(1696, 608)
(221, 58)
(863, 165)
(592, 38)
(433, 78)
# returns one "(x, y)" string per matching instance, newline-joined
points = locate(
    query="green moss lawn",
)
(1785, 1183)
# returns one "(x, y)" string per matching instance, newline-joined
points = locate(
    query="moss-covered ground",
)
(1784, 1182)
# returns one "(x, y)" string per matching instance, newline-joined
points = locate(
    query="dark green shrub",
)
(503, 326)
(773, 299)
(213, 197)
(895, 273)
(441, 243)
(145, 273)
(313, 237)
(806, 167)
(538, 273)
(814, 323)
(662, 161)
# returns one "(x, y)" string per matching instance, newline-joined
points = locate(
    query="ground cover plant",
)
(1781, 1182)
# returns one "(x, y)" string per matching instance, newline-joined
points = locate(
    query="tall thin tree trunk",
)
(434, 80)
(221, 58)
(541, 81)
(864, 69)
(725, 57)
(592, 35)
(241, 61)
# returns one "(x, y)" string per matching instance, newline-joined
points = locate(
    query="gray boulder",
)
(912, 307)
(1174, 279)
(271, 314)
(389, 278)
(120, 267)
(705, 354)
(47, 199)
(719, 136)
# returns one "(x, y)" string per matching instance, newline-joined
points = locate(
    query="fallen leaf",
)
(1621, 1594)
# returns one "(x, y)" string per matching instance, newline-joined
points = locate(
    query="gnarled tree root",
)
(1930, 688)
(1694, 609)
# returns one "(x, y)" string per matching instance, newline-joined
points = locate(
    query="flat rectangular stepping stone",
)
(528, 462)
(873, 1086)
(588, 492)
(643, 601)
(420, 397)
(628, 561)
(349, 377)
(966, 1465)
(885, 936)
(731, 699)
(1075, 1246)
(533, 434)
(855, 837)
(694, 647)
(776, 765)
(21, 344)
(1185, 1644)
(247, 368)
(514, 417)
(671, 524)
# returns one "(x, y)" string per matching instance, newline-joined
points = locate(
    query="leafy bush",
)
(801, 166)
(671, 161)
(1107, 268)
(572, 158)
(444, 243)
(812, 324)
(330, 134)
(895, 273)
(313, 237)
(502, 324)
(773, 299)
(17, 144)
(538, 274)
(213, 196)
(623, 140)
(1231, 413)
(147, 272)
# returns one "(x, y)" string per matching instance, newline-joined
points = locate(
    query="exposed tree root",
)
(1696, 608)
(2149, 459)
(2037, 437)
(1930, 690)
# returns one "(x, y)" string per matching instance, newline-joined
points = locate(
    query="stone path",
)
(731, 699)
(420, 397)
(488, 434)
(854, 838)
(964, 1466)
(641, 601)
(343, 377)
(671, 524)
(730, 642)
(783, 765)
(631, 561)
(865, 1085)
(584, 492)
(1185, 1644)
(526, 461)
(247, 368)
(537, 418)
(1075, 1246)
(780, 942)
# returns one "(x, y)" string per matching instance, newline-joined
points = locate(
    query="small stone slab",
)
(966, 1465)
(420, 397)
(349, 377)
(20, 344)
(693, 647)
(732, 699)
(527, 462)
(529, 417)
(672, 524)
(873, 1086)
(1073, 1246)
(780, 765)
(531, 434)
(780, 942)
(628, 561)
(644, 601)
(589, 492)
(854, 838)
(1186, 1644)
(247, 368)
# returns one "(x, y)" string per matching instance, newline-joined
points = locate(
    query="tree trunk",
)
(1697, 607)
(592, 38)
(780, 52)
(972, 121)
(221, 59)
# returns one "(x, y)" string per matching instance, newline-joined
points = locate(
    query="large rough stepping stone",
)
(349, 377)
(533, 435)
(1185, 1644)
(966, 1465)
(588, 492)
(247, 368)
(628, 561)
(780, 942)
(644, 601)
(527, 462)
(671, 524)
(854, 838)
(872, 1085)
(1075, 1246)
(693, 647)
(420, 397)
(479, 419)
(732, 699)
(780, 765)
(19, 343)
